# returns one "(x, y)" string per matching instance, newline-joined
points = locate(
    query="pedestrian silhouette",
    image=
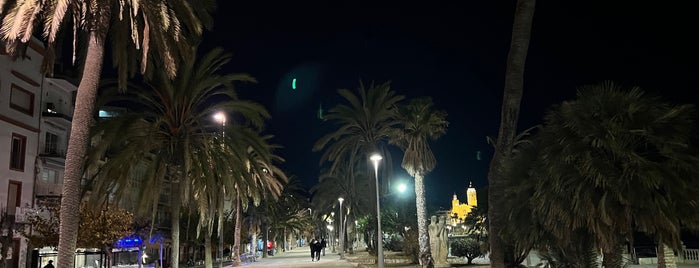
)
(50, 265)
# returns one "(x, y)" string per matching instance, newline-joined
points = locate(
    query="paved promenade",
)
(299, 257)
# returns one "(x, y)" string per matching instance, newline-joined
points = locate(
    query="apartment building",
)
(35, 118)
(20, 110)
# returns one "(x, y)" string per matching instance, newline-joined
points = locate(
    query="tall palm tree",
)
(139, 24)
(267, 184)
(290, 213)
(511, 100)
(364, 125)
(629, 160)
(356, 191)
(166, 140)
(419, 122)
(223, 168)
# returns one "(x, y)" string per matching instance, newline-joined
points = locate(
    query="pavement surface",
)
(298, 257)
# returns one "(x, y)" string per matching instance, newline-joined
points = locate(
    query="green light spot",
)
(293, 83)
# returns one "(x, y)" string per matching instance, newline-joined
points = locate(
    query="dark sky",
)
(453, 51)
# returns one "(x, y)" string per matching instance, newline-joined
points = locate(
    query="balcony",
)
(48, 189)
(55, 157)
(56, 117)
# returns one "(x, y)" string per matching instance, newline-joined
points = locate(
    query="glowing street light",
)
(221, 118)
(402, 187)
(342, 235)
(376, 158)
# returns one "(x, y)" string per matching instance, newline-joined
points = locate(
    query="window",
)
(49, 176)
(14, 197)
(51, 146)
(17, 152)
(22, 100)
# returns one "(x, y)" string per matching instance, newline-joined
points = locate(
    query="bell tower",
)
(454, 202)
(471, 197)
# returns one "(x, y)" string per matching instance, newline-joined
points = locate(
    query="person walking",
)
(50, 265)
(313, 245)
(317, 248)
(323, 244)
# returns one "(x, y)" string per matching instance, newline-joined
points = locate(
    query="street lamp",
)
(332, 233)
(376, 158)
(220, 117)
(356, 234)
(342, 235)
(402, 187)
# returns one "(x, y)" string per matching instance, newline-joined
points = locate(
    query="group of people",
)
(316, 248)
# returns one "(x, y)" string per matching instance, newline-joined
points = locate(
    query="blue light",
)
(129, 242)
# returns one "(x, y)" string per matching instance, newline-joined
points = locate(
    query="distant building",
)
(459, 210)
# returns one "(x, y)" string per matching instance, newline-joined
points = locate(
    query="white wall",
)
(13, 121)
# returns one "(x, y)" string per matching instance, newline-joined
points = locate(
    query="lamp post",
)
(332, 233)
(220, 117)
(342, 235)
(376, 158)
(356, 234)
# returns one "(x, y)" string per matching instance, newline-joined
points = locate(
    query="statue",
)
(438, 241)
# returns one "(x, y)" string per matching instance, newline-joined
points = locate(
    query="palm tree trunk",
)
(236, 232)
(264, 240)
(612, 258)
(660, 253)
(666, 256)
(423, 238)
(77, 146)
(512, 97)
(176, 203)
(208, 262)
(590, 254)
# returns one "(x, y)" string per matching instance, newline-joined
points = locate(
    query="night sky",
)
(453, 51)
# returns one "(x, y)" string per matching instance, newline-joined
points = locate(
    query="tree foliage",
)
(99, 228)
(44, 222)
(103, 227)
(469, 248)
(609, 163)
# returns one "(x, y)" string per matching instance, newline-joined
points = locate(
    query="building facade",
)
(20, 112)
(459, 210)
(35, 120)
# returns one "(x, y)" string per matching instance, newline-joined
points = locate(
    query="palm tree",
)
(356, 191)
(629, 162)
(364, 125)
(527, 231)
(220, 166)
(164, 24)
(511, 100)
(266, 182)
(166, 140)
(289, 213)
(418, 123)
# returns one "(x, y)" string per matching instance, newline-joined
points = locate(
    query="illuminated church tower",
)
(459, 210)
